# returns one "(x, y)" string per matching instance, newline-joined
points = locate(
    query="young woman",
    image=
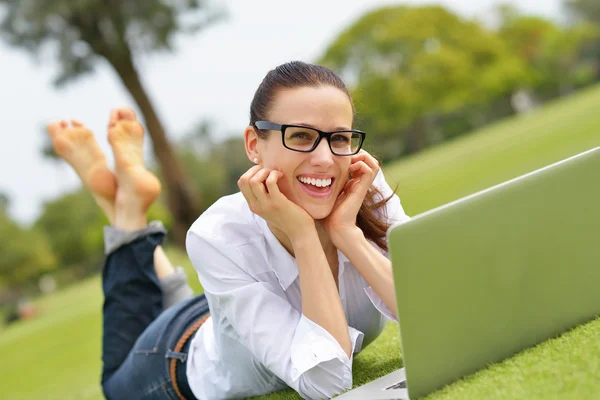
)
(294, 266)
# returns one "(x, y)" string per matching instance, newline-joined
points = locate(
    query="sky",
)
(211, 76)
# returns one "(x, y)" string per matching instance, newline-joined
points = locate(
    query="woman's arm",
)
(295, 348)
(321, 302)
(374, 267)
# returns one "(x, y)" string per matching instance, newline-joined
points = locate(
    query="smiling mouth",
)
(317, 183)
(317, 188)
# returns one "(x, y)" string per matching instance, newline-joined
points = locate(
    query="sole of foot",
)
(77, 145)
(135, 182)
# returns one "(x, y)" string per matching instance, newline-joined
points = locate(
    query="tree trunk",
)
(180, 197)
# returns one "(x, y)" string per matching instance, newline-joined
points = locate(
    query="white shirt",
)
(257, 340)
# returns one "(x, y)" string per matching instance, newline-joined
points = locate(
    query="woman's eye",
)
(301, 135)
(340, 139)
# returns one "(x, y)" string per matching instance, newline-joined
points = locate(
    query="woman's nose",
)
(322, 155)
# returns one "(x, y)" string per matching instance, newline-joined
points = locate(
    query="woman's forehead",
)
(324, 107)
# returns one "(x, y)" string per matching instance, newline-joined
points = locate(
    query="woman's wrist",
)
(346, 237)
(304, 236)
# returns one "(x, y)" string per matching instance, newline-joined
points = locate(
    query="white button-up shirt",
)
(257, 340)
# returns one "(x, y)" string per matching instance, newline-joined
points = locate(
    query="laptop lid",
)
(486, 276)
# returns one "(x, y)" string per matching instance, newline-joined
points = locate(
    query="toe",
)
(114, 118)
(126, 113)
(53, 128)
(76, 123)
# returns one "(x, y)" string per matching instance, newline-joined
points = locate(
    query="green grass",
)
(57, 356)
(497, 153)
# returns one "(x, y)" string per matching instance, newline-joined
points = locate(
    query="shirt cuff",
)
(313, 345)
(379, 304)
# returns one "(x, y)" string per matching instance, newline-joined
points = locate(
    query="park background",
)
(454, 97)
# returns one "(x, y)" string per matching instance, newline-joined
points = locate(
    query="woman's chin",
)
(318, 212)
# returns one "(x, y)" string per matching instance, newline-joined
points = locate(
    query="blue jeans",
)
(138, 336)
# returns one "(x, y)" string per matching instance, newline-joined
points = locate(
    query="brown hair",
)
(371, 218)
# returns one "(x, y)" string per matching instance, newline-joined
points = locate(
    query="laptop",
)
(486, 276)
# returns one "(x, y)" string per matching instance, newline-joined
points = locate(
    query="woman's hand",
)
(363, 170)
(259, 187)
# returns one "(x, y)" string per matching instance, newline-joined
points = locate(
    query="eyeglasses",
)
(305, 140)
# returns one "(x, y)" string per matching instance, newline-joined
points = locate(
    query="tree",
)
(26, 254)
(553, 53)
(4, 202)
(407, 66)
(73, 224)
(226, 160)
(588, 10)
(116, 31)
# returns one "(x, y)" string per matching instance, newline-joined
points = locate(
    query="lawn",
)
(57, 356)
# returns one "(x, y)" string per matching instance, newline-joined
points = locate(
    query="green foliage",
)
(4, 202)
(407, 64)
(587, 10)
(553, 53)
(420, 75)
(213, 168)
(26, 254)
(83, 30)
(73, 224)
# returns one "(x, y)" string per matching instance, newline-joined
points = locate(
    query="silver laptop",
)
(484, 277)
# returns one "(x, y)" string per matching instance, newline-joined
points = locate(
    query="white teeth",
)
(315, 182)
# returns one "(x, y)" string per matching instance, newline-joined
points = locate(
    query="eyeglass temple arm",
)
(267, 125)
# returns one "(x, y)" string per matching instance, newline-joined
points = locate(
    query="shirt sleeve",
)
(379, 304)
(300, 352)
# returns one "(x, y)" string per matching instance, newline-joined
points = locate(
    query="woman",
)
(293, 266)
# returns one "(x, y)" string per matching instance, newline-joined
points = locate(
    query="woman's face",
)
(325, 108)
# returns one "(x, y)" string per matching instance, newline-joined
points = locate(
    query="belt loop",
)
(176, 355)
(179, 356)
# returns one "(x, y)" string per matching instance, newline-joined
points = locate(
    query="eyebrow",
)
(339, 128)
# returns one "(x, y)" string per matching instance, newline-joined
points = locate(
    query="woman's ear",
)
(251, 144)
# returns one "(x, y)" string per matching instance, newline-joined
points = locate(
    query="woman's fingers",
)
(259, 187)
(244, 185)
(271, 183)
(257, 184)
(360, 169)
(362, 177)
(367, 159)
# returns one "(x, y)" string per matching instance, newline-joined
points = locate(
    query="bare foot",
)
(77, 146)
(137, 187)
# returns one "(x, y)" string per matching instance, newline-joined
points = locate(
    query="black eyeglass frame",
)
(271, 126)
